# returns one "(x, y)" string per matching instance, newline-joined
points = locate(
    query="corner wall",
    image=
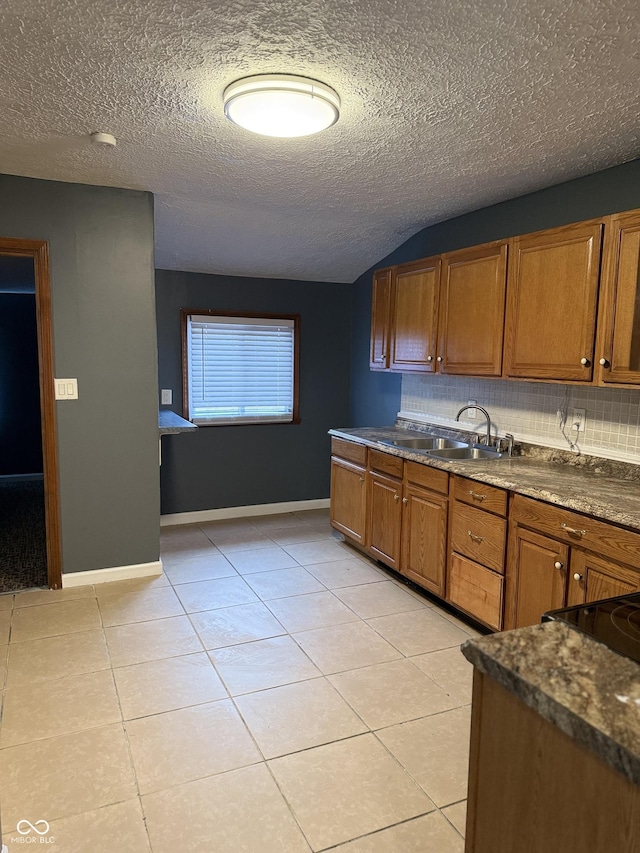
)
(225, 466)
(101, 254)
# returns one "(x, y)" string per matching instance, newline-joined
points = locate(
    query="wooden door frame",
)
(39, 251)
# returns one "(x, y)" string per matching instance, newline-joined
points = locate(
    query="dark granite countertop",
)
(170, 424)
(591, 693)
(597, 487)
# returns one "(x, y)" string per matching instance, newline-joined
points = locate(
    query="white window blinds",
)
(240, 369)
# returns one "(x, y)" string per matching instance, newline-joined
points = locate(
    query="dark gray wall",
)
(375, 398)
(20, 436)
(101, 252)
(254, 464)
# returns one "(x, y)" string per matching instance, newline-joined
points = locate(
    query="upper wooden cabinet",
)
(472, 305)
(380, 319)
(414, 315)
(551, 303)
(618, 350)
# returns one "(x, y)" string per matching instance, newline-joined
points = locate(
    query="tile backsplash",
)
(530, 410)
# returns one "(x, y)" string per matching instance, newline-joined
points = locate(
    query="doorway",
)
(30, 548)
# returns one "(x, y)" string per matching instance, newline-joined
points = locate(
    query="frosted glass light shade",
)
(281, 105)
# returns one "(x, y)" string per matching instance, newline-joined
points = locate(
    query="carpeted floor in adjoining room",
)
(23, 552)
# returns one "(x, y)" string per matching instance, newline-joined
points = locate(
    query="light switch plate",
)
(66, 389)
(166, 397)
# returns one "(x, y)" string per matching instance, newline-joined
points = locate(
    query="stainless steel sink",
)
(427, 443)
(466, 452)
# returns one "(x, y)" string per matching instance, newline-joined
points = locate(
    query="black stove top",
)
(612, 621)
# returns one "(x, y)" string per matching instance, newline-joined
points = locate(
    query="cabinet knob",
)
(429, 358)
(604, 362)
(439, 358)
(584, 362)
(476, 495)
(405, 500)
(362, 479)
(577, 576)
(396, 497)
(558, 565)
(383, 356)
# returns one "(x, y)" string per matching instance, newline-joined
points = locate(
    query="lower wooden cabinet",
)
(559, 558)
(424, 540)
(534, 789)
(537, 577)
(448, 534)
(384, 498)
(592, 578)
(476, 590)
(348, 488)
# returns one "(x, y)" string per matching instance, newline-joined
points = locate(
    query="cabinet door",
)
(424, 538)
(385, 518)
(551, 303)
(415, 315)
(348, 497)
(592, 578)
(380, 319)
(536, 577)
(618, 349)
(472, 305)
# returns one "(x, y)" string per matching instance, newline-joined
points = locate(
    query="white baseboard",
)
(117, 573)
(241, 511)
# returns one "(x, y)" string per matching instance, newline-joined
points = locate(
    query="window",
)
(240, 370)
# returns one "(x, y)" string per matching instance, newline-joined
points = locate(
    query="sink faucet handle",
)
(508, 437)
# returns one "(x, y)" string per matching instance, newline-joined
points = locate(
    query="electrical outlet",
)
(471, 414)
(166, 397)
(578, 419)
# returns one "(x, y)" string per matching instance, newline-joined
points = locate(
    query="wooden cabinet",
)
(533, 788)
(558, 557)
(538, 568)
(592, 578)
(380, 320)
(618, 350)
(472, 306)
(551, 303)
(477, 533)
(424, 527)
(348, 491)
(414, 315)
(384, 507)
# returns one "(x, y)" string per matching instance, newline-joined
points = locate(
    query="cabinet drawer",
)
(349, 450)
(573, 528)
(428, 478)
(476, 590)
(478, 494)
(479, 536)
(385, 463)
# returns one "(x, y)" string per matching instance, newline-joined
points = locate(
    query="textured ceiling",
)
(447, 106)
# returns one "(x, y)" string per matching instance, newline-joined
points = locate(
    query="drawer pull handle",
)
(475, 536)
(572, 530)
(476, 496)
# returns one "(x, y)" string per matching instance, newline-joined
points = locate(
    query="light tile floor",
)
(273, 692)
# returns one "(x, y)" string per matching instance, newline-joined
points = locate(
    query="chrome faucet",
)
(485, 413)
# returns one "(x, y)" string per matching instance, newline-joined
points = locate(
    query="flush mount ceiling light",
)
(281, 105)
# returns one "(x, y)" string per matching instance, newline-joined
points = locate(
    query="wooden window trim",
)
(185, 313)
